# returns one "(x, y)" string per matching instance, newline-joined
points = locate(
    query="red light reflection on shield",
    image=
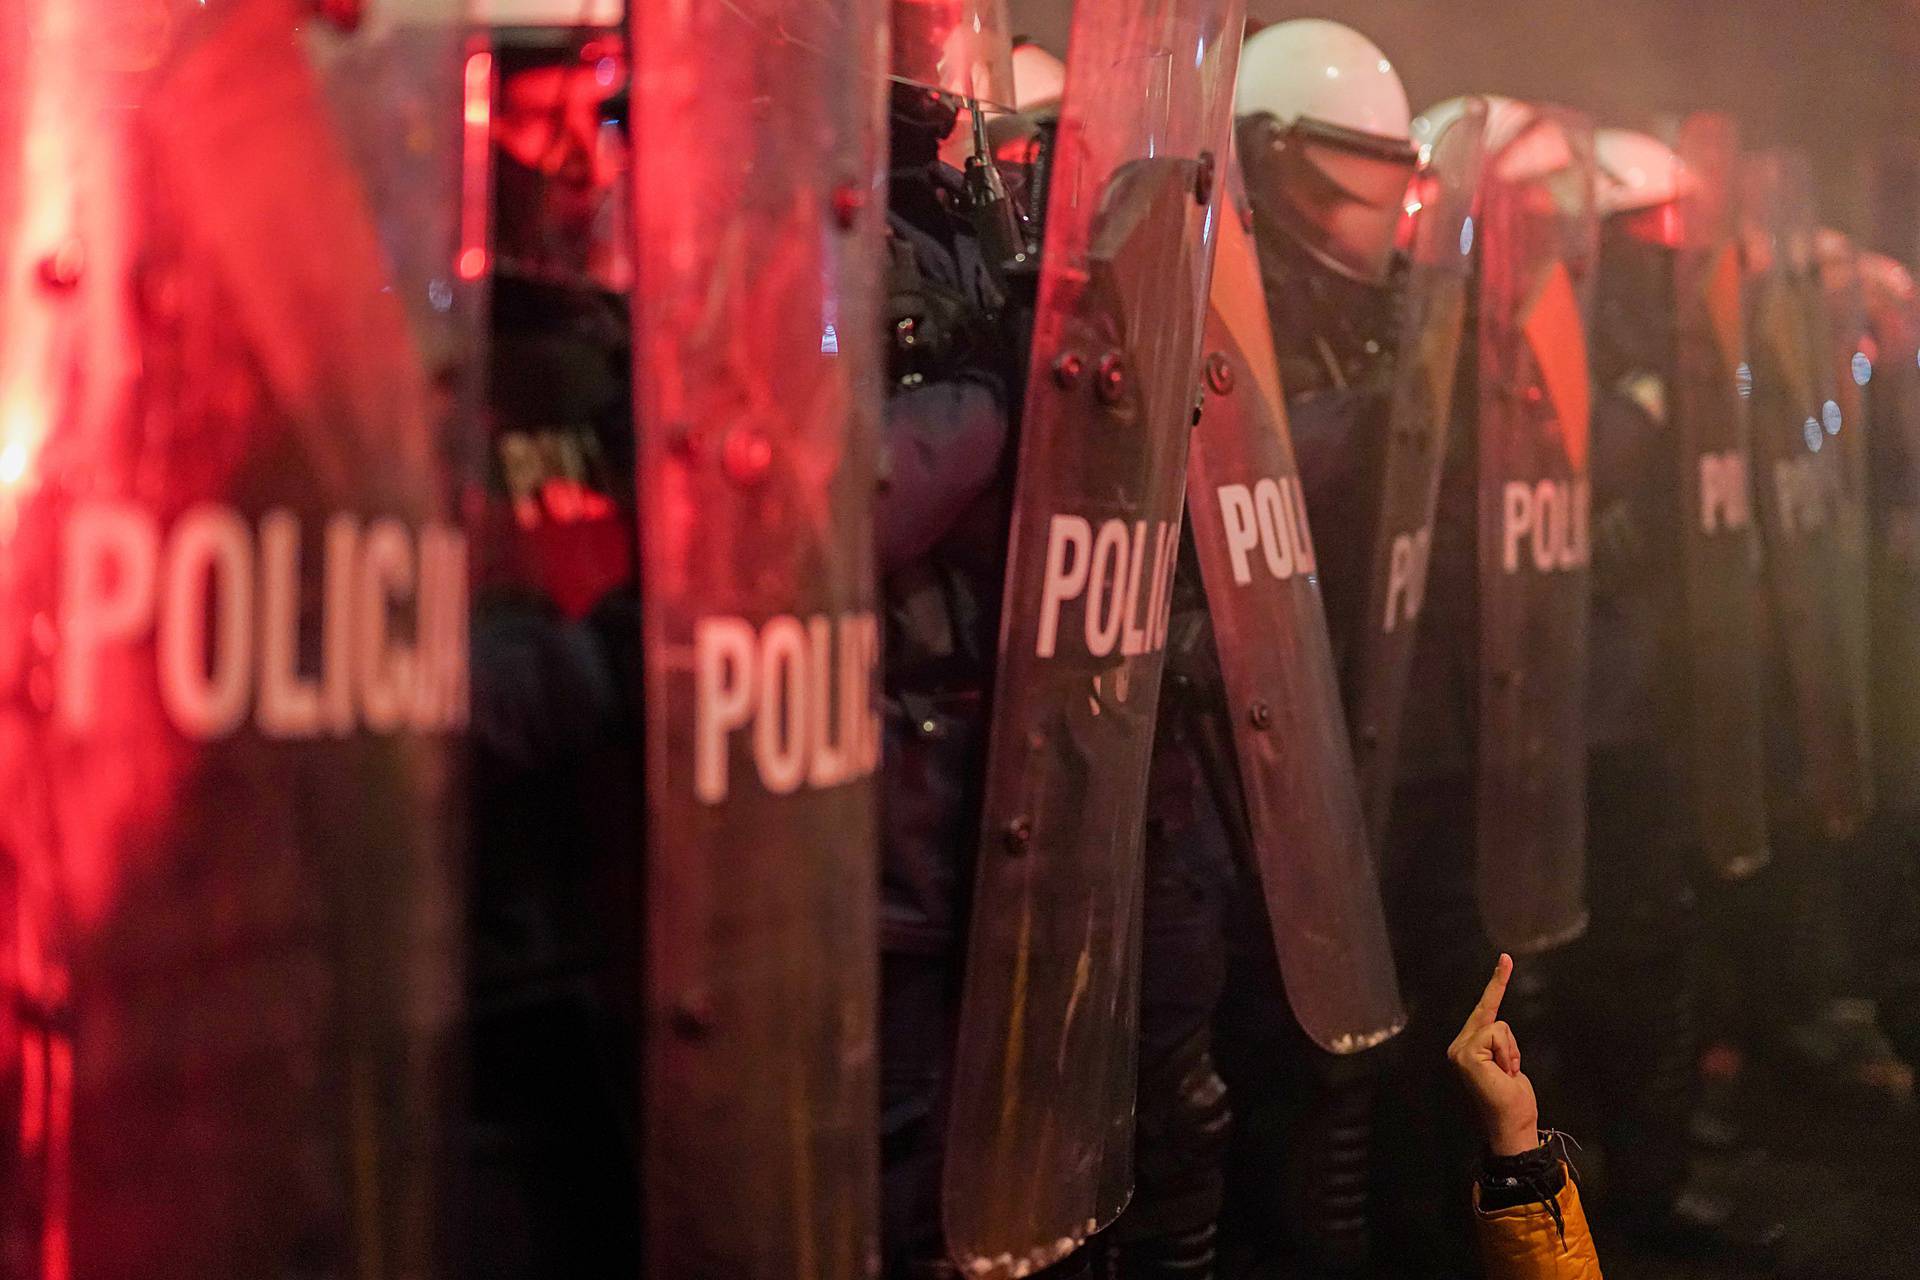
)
(476, 160)
(1557, 336)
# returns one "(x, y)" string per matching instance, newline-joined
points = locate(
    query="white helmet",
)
(1314, 69)
(1325, 141)
(1517, 145)
(1891, 305)
(1834, 247)
(1505, 118)
(1886, 280)
(548, 13)
(1039, 78)
(1633, 171)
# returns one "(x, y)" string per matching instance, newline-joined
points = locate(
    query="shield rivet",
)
(1110, 380)
(683, 441)
(746, 456)
(1068, 368)
(1219, 373)
(1261, 716)
(346, 15)
(906, 333)
(1203, 180)
(692, 1016)
(1019, 836)
(61, 269)
(848, 201)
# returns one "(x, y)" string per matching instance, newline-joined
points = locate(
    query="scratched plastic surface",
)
(232, 636)
(1039, 1151)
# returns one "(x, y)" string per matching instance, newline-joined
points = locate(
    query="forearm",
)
(944, 448)
(1529, 1220)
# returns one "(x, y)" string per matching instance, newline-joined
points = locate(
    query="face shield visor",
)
(1837, 260)
(1345, 192)
(1893, 306)
(1776, 203)
(952, 70)
(1534, 148)
(561, 153)
(1641, 188)
(1658, 226)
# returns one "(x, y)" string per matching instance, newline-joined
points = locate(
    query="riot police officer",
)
(1811, 507)
(1891, 889)
(960, 280)
(955, 367)
(1323, 137)
(555, 684)
(1483, 831)
(1631, 1035)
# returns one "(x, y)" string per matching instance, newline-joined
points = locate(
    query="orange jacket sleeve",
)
(1525, 1243)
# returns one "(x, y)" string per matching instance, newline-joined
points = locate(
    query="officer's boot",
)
(1170, 1229)
(1328, 1167)
(1653, 1053)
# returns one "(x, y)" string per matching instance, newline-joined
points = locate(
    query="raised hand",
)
(1488, 1060)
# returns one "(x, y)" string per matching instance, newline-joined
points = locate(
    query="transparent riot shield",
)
(1039, 1137)
(1798, 482)
(1893, 418)
(1537, 247)
(757, 376)
(233, 611)
(1282, 693)
(1838, 309)
(1427, 361)
(1719, 546)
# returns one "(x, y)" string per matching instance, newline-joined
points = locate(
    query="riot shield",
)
(233, 611)
(1719, 549)
(757, 377)
(1893, 417)
(1838, 309)
(1537, 247)
(1798, 482)
(1038, 1152)
(1418, 420)
(1282, 694)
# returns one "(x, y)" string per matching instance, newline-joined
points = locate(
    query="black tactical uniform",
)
(1629, 1023)
(1301, 1175)
(1183, 1118)
(555, 811)
(942, 523)
(1625, 1013)
(958, 346)
(1887, 883)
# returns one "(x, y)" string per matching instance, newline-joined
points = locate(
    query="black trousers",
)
(1623, 1004)
(1181, 1115)
(1427, 1138)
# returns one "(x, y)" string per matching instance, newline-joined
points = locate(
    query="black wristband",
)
(1532, 1177)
